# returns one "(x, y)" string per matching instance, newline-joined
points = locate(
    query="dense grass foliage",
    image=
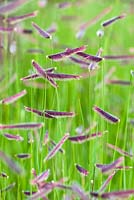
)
(94, 88)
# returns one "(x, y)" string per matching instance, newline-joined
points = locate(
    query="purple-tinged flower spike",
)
(110, 167)
(57, 147)
(109, 117)
(118, 82)
(54, 144)
(100, 166)
(23, 155)
(89, 57)
(45, 190)
(63, 77)
(118, 57)
(6, 29)
(38, 112)
(105, 184)
(80, 192)
(84, 138)
(64, 5)
(122, 152)
(9, 187)
(57, 57)
(31, 77)
(16, 19)
(79, 61)
(41, 177)
(21, 126)
(13, 137)
(11, 6)
(50, 70)
(112, 20)
(11, 164)
(113, 195)
(67, 53)
(43, 73)
(42, 32)
(58, 114)
(14, 98)
(3, 175)
(36, 75)
(81, 170)
(91, 22)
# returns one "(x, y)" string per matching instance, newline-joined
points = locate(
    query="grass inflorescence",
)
(66, 80)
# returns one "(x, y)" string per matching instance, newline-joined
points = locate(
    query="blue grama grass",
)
(21, 126)
(14, 98)
(81, 170)
(11, 6)
(112, 20)
(107, 116)
(110, 167)
(113, 195)
(56, 148)
(16, 19)
(67, 53)
(41, 32)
